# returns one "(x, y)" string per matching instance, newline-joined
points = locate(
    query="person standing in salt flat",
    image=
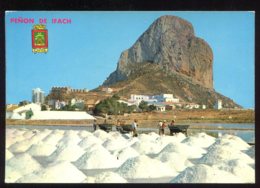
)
(163, 126)
(95, 125)
(134, 128)
(172, 124)
(160, 127)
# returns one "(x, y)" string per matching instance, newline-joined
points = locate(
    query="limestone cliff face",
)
(170, 43)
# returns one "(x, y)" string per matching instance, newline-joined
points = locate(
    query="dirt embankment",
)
(191, 116)
(151, 119)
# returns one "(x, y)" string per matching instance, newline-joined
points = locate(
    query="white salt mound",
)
(24, 163)
(199, 140)
(184, 150)
(222, 153)
(153, 135)
(125, 154)
(233, 142)
(84, 134)
(11, 174)
(15, 139)
(52, 138)
(251, 152)
(58, 172)
(239, 168)
(68, 153)
(146, 138)
(174, 160)
(39, 136)
(144, 167)
(113, 144)
(41, 149)
(8, 154)
(89, 142)
(146, 147)
(109, 177)
(19, 147)
(97, 158)
(69, 140)
(28, 134)
(205, 174)
(102, 135)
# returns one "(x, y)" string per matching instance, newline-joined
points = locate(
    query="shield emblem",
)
(39, 39)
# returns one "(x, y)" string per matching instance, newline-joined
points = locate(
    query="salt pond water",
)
(43, 154)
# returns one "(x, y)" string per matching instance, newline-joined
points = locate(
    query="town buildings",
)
(37, 96)
(218, 104)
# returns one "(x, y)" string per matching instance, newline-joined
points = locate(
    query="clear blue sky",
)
(83, 54)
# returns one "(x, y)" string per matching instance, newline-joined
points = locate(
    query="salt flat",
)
(79, 156)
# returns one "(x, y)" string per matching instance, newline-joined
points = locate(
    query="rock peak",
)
(169, 42)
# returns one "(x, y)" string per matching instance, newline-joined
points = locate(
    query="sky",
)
(83, 53)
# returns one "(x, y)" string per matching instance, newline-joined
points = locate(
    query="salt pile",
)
(144, 167)
(165, 140)
(205, 174)
(11, 174)
(84, 134)
(89, 141)
(69, 140)
(28, 134)
(62, 155)
(153, 135)
(20, 147)
(106, 177)
(174, 160)
(199, 140)
(233, 142)
(251, 152)
(102, 135)
(67, 153)
(39, 135)
(97, 158)
(184, 150)
(115, 144)
(8, 155)
(125, 154)
(146, 147)
(57, 172)
(23, 163)
(219, 154)
(52, 138)
(41, 149)
(239, 168)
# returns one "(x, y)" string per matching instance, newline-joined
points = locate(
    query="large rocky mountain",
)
(170, 50)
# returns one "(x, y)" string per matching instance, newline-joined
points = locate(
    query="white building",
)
(20, 112)
(56, 104)
(37, 96)
(218, 104)
(136, 99)
(160, 108)
(166, 98)
(61, 115)
(79, 103)
(107, 90)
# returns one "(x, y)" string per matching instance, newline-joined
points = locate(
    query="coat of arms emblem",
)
(39, 39)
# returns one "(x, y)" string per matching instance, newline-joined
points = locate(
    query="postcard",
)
(130, 97)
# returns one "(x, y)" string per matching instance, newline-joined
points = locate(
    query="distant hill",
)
(168, 58)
